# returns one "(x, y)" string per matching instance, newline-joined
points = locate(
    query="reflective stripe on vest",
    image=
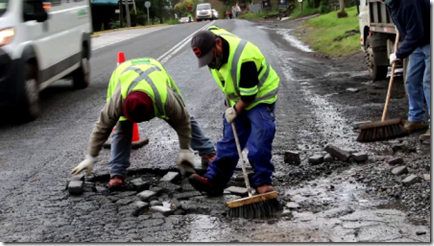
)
(234, 67)
(144, 75)
(232, 96)
(264, 77)
(227, 34)
(248, 92)
(269, 95)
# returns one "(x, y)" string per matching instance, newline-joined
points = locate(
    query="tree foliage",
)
(181, 8)
(324, 7)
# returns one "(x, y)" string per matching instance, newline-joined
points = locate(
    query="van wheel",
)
(376, 72)
(30, 106)
(81, 76)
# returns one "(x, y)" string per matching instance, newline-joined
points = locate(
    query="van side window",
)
(54, 2)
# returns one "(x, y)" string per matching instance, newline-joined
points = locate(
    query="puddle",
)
(295, 42)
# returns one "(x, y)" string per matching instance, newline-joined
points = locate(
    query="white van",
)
(41, 41)
(204, 12)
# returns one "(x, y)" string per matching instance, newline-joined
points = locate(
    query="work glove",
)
(186, 163)
(87, 165)
(393, 58)
(231, 114)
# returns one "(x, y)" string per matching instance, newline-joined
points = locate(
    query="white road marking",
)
(110, 38)
(170, 53)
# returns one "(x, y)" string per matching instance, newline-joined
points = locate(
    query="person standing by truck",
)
(412, 19)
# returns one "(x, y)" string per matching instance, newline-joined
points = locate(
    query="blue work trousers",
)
(121, 145)
(419, 83)
(256, 129)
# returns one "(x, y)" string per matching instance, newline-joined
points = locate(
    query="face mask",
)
(216, 62)
(387, 2)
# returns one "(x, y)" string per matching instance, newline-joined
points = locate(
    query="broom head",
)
(256, 207)
(253, 199)
(379, 131)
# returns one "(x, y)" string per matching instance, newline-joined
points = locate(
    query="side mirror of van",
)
(34, 10)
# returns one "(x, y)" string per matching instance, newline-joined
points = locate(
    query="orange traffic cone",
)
(121, 57)
(136, 141)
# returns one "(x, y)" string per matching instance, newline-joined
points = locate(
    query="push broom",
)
(386, 129)
(254, 206)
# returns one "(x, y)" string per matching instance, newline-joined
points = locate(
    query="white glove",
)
(393, 58)
(186, 162)
(87, 165)
(231, 114)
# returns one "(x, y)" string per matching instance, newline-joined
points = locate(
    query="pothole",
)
(156, 193)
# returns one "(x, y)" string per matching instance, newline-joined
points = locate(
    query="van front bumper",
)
(11, 80)
(204, 17)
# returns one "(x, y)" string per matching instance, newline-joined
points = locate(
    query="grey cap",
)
(202, 44)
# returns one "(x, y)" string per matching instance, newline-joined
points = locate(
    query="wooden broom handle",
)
(392, 76)
(240, 153)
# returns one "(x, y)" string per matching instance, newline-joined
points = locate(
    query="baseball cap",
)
(202, 44)
(138, 107)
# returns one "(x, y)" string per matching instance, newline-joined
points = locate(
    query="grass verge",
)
(332, 36)
(262, 15)
(172, 22)
(96, 34)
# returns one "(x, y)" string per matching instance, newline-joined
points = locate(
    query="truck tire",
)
(376, 72)
(81, 76)
(29, 108)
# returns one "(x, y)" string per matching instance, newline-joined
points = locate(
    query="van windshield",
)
(200, 7)
(3, 6)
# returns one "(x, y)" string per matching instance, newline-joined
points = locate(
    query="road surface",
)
(36, 157)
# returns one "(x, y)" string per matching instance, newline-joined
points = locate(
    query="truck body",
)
(377, 37)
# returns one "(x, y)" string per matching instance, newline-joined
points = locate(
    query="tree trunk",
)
(127, 10)
(161, 11)
(121, 14)
(342, 13)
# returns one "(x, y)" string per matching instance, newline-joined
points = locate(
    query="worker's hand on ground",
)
(393, 58)
(231, 114)
(87, 165)
(186, 163)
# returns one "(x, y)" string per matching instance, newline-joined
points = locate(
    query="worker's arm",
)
(414, 31)
(179, 119)
(109, 117)
(107, 120)
(248, 85)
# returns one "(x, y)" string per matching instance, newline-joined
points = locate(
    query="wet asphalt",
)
(36, 157)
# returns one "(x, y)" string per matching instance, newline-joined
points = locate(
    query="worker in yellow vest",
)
(140, 90)
(251, 85)
(219, 31)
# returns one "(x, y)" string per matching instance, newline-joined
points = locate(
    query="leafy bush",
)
(115, 24)
(172, 22)
(324, 7)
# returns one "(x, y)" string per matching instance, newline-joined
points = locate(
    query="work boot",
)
(411, 126)
(265, 188)
(206, 160)
(204, 184)
(425, 138)
(116, 183)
